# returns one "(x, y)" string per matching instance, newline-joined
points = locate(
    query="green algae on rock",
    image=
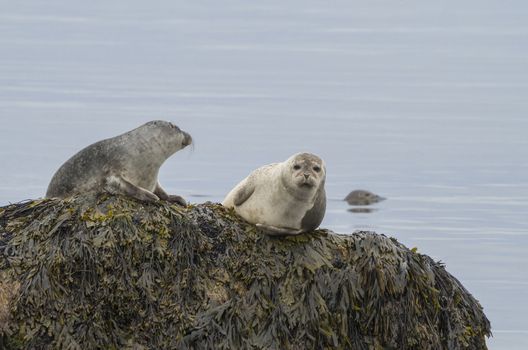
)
(110, 272)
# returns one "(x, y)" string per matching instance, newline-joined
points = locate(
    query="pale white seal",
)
(125, 164)
(283, 198)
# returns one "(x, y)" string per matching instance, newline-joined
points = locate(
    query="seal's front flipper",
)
(119, 185)
(279, 231)
(169, 198)
(243, 193)
(177, 200)
(160, 192)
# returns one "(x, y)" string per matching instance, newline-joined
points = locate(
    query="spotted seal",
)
(362, 197)
(285, 198)
(126, 164)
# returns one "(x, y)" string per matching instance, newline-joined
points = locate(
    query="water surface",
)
(423, 103)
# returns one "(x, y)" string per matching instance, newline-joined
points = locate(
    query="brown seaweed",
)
(113, 273)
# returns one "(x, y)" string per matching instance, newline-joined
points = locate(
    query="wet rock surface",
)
(111, 272)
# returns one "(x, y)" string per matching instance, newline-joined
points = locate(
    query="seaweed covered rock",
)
(113, 273)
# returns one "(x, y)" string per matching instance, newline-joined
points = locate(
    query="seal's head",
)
(165, 134)
(304, 173)
(362, 197)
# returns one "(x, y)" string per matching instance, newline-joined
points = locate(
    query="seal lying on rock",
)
(285, 198)
(126, 164)
(362, 197)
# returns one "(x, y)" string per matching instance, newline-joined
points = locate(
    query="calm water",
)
(422, 103)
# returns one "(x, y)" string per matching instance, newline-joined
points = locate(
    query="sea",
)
(422, 102)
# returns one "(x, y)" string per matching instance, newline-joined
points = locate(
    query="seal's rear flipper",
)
(119, 185)
(279, 231)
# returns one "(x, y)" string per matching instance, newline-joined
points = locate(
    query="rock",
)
(111, 272)
(362, 197)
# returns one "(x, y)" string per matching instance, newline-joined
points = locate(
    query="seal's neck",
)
(154, 146)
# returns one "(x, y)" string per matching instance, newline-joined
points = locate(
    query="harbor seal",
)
(362, 197)
(126, 164)
(285, 198)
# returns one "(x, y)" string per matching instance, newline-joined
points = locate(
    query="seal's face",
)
(168, 135)
(362, 197)
(305, 171)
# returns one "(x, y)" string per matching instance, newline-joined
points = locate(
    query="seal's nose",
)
(306, 176)
(187, 139)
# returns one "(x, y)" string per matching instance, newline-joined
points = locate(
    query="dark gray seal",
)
(362, 197)
(285, 198)
(126, 164)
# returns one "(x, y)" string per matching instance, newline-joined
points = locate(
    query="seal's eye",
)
(316, 169)
(296, 167)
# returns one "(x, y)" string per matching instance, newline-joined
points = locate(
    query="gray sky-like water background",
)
(422, 102)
